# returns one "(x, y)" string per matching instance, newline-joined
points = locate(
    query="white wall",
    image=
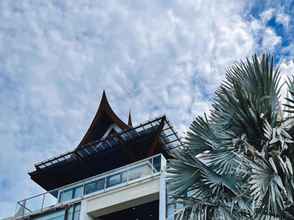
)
(122, 198)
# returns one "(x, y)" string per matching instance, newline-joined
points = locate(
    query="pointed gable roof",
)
(108, 144)
(130, 123)
(104, 118)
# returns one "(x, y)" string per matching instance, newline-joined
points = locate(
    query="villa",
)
(117, 172)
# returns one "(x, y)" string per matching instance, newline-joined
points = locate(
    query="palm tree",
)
(237, 162)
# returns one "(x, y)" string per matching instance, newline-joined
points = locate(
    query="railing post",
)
(105, 179)
(22, 207)
(127, 175)
(153, 167)
(43, 200)
(162, 163)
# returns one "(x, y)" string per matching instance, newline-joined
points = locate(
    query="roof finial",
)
(104, 101)
(130, 120)
(104, 94)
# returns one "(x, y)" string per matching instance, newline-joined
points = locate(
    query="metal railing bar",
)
(126, 131)
(121, 170)
(117, 170)
(54, 158)
(167, 135)
(25, 206)
(63, 156)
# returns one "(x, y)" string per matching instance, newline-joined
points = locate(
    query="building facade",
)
(117, 172)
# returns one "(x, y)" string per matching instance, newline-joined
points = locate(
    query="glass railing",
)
(91, 186)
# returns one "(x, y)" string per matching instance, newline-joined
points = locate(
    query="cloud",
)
(270, 39)
(267, 15)
(277, 14)
(287, 67)
(153, 57)
(283, 19)
(286, 70)
(265, 36)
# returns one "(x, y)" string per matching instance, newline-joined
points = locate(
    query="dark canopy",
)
(95, 155)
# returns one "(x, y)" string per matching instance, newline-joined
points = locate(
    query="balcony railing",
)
(91, 186)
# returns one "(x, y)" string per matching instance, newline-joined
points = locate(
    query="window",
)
(94, 186)
(66, 195)
(77, 210)
(78, 192)
(71, 194)
(59, 215)
(90, 187)
(156, 163)
(116, 179)
(100, 184)
(74, 212)
(113, 180)
(140, 171)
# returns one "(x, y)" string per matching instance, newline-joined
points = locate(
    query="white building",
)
(117, 172)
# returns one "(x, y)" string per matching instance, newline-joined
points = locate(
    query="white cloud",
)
(154, 57)
(283, 19)
(270, 39)
(266, 34)
(280, 17)
(266, 37)
(286, 70)
(289, 50)
(267, 15)
(287, 67)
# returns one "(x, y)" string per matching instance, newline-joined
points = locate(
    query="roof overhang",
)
(133, 144)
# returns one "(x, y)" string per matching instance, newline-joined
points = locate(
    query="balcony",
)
(86, 188)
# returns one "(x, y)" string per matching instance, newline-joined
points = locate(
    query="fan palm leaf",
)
(238, 162)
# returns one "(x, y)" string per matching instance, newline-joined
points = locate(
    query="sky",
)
(152, 57)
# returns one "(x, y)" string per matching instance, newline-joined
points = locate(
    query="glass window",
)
(78, 192)
(70, 213)
(139, 171)
(100, 184)
(77, 210)
(116, 179)
(74, 212)
(66, 195)
(156, 163)
(94, 186)
(59, 215)
(124, 177)
(90, 187)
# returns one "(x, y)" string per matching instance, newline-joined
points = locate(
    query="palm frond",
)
(267, 189)
(250, 93)
(238, 162)
(201, 136)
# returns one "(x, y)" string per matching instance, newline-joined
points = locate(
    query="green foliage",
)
(237, 163)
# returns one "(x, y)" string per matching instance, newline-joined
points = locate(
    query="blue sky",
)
(153, 57)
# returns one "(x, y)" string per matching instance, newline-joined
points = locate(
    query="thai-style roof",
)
(98, 153)
(104, 117)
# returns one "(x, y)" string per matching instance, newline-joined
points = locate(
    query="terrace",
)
(73, 193)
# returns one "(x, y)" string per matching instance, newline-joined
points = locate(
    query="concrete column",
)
(83, 213)
(162, 192)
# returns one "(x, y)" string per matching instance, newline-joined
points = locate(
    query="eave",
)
(152, 137)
